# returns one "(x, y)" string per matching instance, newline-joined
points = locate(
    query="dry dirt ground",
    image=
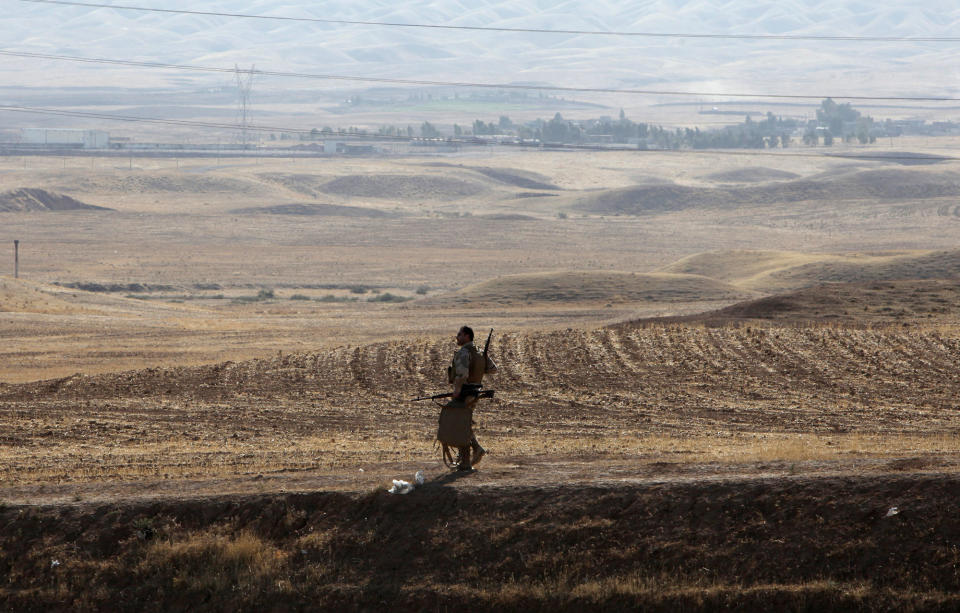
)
(529, 229)
(789, 462)
(216, 426)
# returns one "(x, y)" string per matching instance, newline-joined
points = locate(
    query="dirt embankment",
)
(755, 174)
(32, 199)
(779, 271)
(872, 185)
(835, 544)
(852, 304)
(403, 187)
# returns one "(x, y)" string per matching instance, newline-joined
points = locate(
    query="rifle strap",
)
(447, 456)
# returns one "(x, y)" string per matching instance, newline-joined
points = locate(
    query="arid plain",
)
(725, 378)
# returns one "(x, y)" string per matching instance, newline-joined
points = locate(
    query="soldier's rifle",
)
(482, 394)
(486, 347)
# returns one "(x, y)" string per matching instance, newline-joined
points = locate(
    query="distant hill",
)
(776, 271)
(886, 184)
(594, 286)
(495, 56)
(429, 187)
(31, 199)
(751, 175)
(873, 303)
(314, 210)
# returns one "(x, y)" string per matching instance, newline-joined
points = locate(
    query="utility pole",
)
(16, 259)
(244, 85)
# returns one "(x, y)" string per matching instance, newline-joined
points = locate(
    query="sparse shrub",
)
(264, 294)
(422, 290)
(299, 297)
(358, 289)
(144, 528)
(388, 297)
(561, 215)
(332, 298)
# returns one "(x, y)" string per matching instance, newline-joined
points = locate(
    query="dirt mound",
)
(181, 183)
(777, 271)
(32, 199)
(905, 158)
(856, 304)
(509, 176)
(757, 174)
(19, 296)
(534, 195)
(593, 286)
(738, 265)
(314, 210)
(301, 183)
(403, 187)
(746, 545)
(650, 199)
(507, 217)
(887, 184)
(929, 265)
(516, 178)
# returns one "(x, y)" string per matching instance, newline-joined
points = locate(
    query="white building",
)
(88, 139)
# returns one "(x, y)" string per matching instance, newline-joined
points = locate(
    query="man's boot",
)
(463, 459)
(478, 451)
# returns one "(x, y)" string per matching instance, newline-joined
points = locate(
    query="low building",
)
(65, 137)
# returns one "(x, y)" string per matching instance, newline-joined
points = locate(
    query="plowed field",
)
(650, 395)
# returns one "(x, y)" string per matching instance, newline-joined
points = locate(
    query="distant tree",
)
(427, 130)
(863, 129)
(839, 117)
(457, 130)
(557, 130)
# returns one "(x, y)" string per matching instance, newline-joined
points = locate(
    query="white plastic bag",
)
(403, 487)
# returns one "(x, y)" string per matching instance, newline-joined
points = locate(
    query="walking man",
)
(456, 419)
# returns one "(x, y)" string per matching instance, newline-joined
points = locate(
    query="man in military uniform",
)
(466, 376)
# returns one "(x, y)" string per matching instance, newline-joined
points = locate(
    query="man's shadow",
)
(449, 478)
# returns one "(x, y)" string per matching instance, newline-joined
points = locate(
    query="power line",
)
(909, 39)
(465, 141)
(465, 84)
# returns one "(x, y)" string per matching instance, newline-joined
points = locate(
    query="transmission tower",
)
(244, 85)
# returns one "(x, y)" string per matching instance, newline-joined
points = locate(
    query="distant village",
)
(833, 123)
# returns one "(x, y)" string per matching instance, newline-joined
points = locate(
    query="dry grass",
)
(212, 562)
